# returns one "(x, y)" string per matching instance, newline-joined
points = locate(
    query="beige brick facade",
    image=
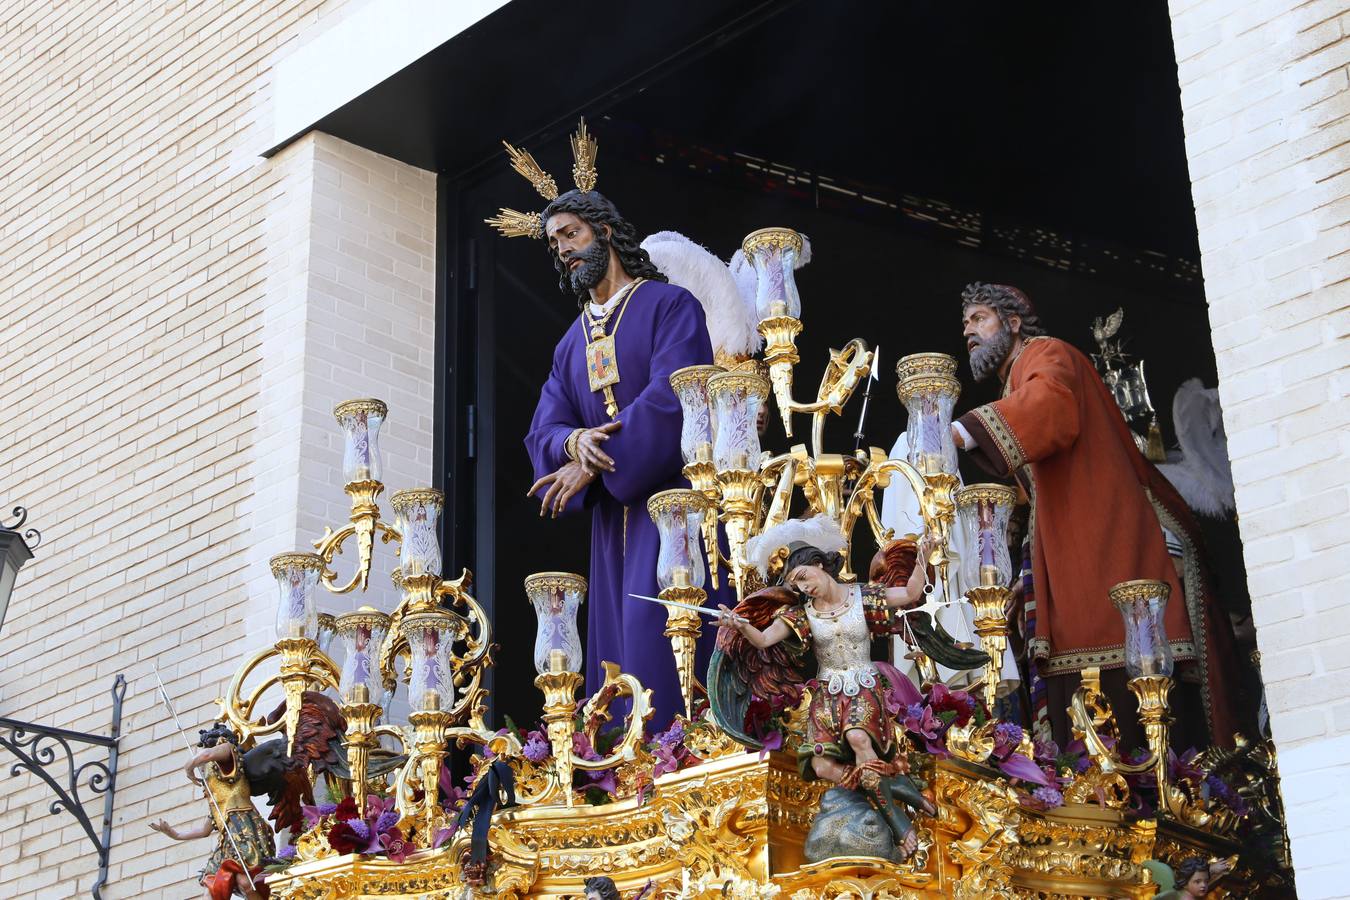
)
(177, 319)
(1267, 116)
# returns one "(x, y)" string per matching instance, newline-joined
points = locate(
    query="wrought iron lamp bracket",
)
(26, 741)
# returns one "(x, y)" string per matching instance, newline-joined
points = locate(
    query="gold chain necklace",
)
(602, 358)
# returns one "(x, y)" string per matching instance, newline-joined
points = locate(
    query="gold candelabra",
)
(1142, 604)
(691, 386)
(363, 486)
(559, 686)
(774, 252)
(374, 642)
(987, 508)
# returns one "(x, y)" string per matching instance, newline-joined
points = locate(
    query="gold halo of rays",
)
(514, 223)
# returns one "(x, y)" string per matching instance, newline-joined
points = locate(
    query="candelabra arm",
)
(596, 712)
(360, 740)
(780, 472)
(560, 688)
(991, 624)
(1089, 710)
(365, 523)
(303, 667)
(683, 627)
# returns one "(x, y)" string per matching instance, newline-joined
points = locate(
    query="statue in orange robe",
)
(1097, 512)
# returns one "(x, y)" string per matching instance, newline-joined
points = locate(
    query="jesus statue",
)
(606, 432)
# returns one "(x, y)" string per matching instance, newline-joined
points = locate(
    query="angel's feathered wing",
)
(318, 747)
(731, 325)
(1201, 472)
(892, 567)
(739, 671)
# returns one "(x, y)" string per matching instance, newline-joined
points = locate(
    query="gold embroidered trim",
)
(1102, 657)
(1004, 438)
(1192, 584)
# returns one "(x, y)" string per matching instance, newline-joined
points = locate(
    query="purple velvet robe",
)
(662, 330)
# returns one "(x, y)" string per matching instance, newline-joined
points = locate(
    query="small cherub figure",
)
(1195, 875)
(601, 887)
(243, 831)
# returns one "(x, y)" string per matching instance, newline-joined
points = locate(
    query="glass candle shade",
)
(556, 597)
(678, 515)
(929, 391)
(297, 576)
(361, 634)
(984, 510)
(1142, 605)
(430, 636)
(417, 513)
(775, 253)
(327, 630)
(690, 385)
(735, 399)
(361, 421)
(925, 364)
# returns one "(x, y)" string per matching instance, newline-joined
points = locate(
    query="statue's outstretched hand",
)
(563, 485)
(165, 828)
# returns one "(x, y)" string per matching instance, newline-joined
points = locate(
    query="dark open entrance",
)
(921, 146)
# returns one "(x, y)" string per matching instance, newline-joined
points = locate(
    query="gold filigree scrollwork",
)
(364, 525)
(303, 667)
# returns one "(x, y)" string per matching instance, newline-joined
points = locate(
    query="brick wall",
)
(177, 317)
(1267, 116)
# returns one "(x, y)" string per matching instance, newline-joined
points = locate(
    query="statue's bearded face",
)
(582, 251)
(988, 339)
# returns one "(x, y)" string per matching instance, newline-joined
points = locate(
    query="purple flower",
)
(1047, 797)
(928, 727)
(914, 711)
(287, 852)
(442, 835)
(604, 780)
(1007, 738)
(377, 806)
(360, 829)
(581, 746)
(1183, 767)
(1046, 751)
(772, 741)
(1221, 791)
(537, 748)
(386, 820)
(395, 847)
(672, 736)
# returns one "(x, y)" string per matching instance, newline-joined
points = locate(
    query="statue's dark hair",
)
(1188, 869)
(595, 209)
(212, 736)
(603, 884)
(803, 554)
(1006, 301)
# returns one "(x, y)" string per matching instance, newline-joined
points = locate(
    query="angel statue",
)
(245, 841)
(764, 649)
(276, 768)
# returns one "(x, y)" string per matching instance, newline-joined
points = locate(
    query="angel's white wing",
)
(694, 268)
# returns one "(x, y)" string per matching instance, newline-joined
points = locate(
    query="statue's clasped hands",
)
(576, 474)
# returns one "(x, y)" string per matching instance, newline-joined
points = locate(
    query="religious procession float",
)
(743, 794)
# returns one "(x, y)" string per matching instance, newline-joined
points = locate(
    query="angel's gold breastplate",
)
(230, 792)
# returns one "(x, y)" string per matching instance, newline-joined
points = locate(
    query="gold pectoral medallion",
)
(602, 358)
(602, 369)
